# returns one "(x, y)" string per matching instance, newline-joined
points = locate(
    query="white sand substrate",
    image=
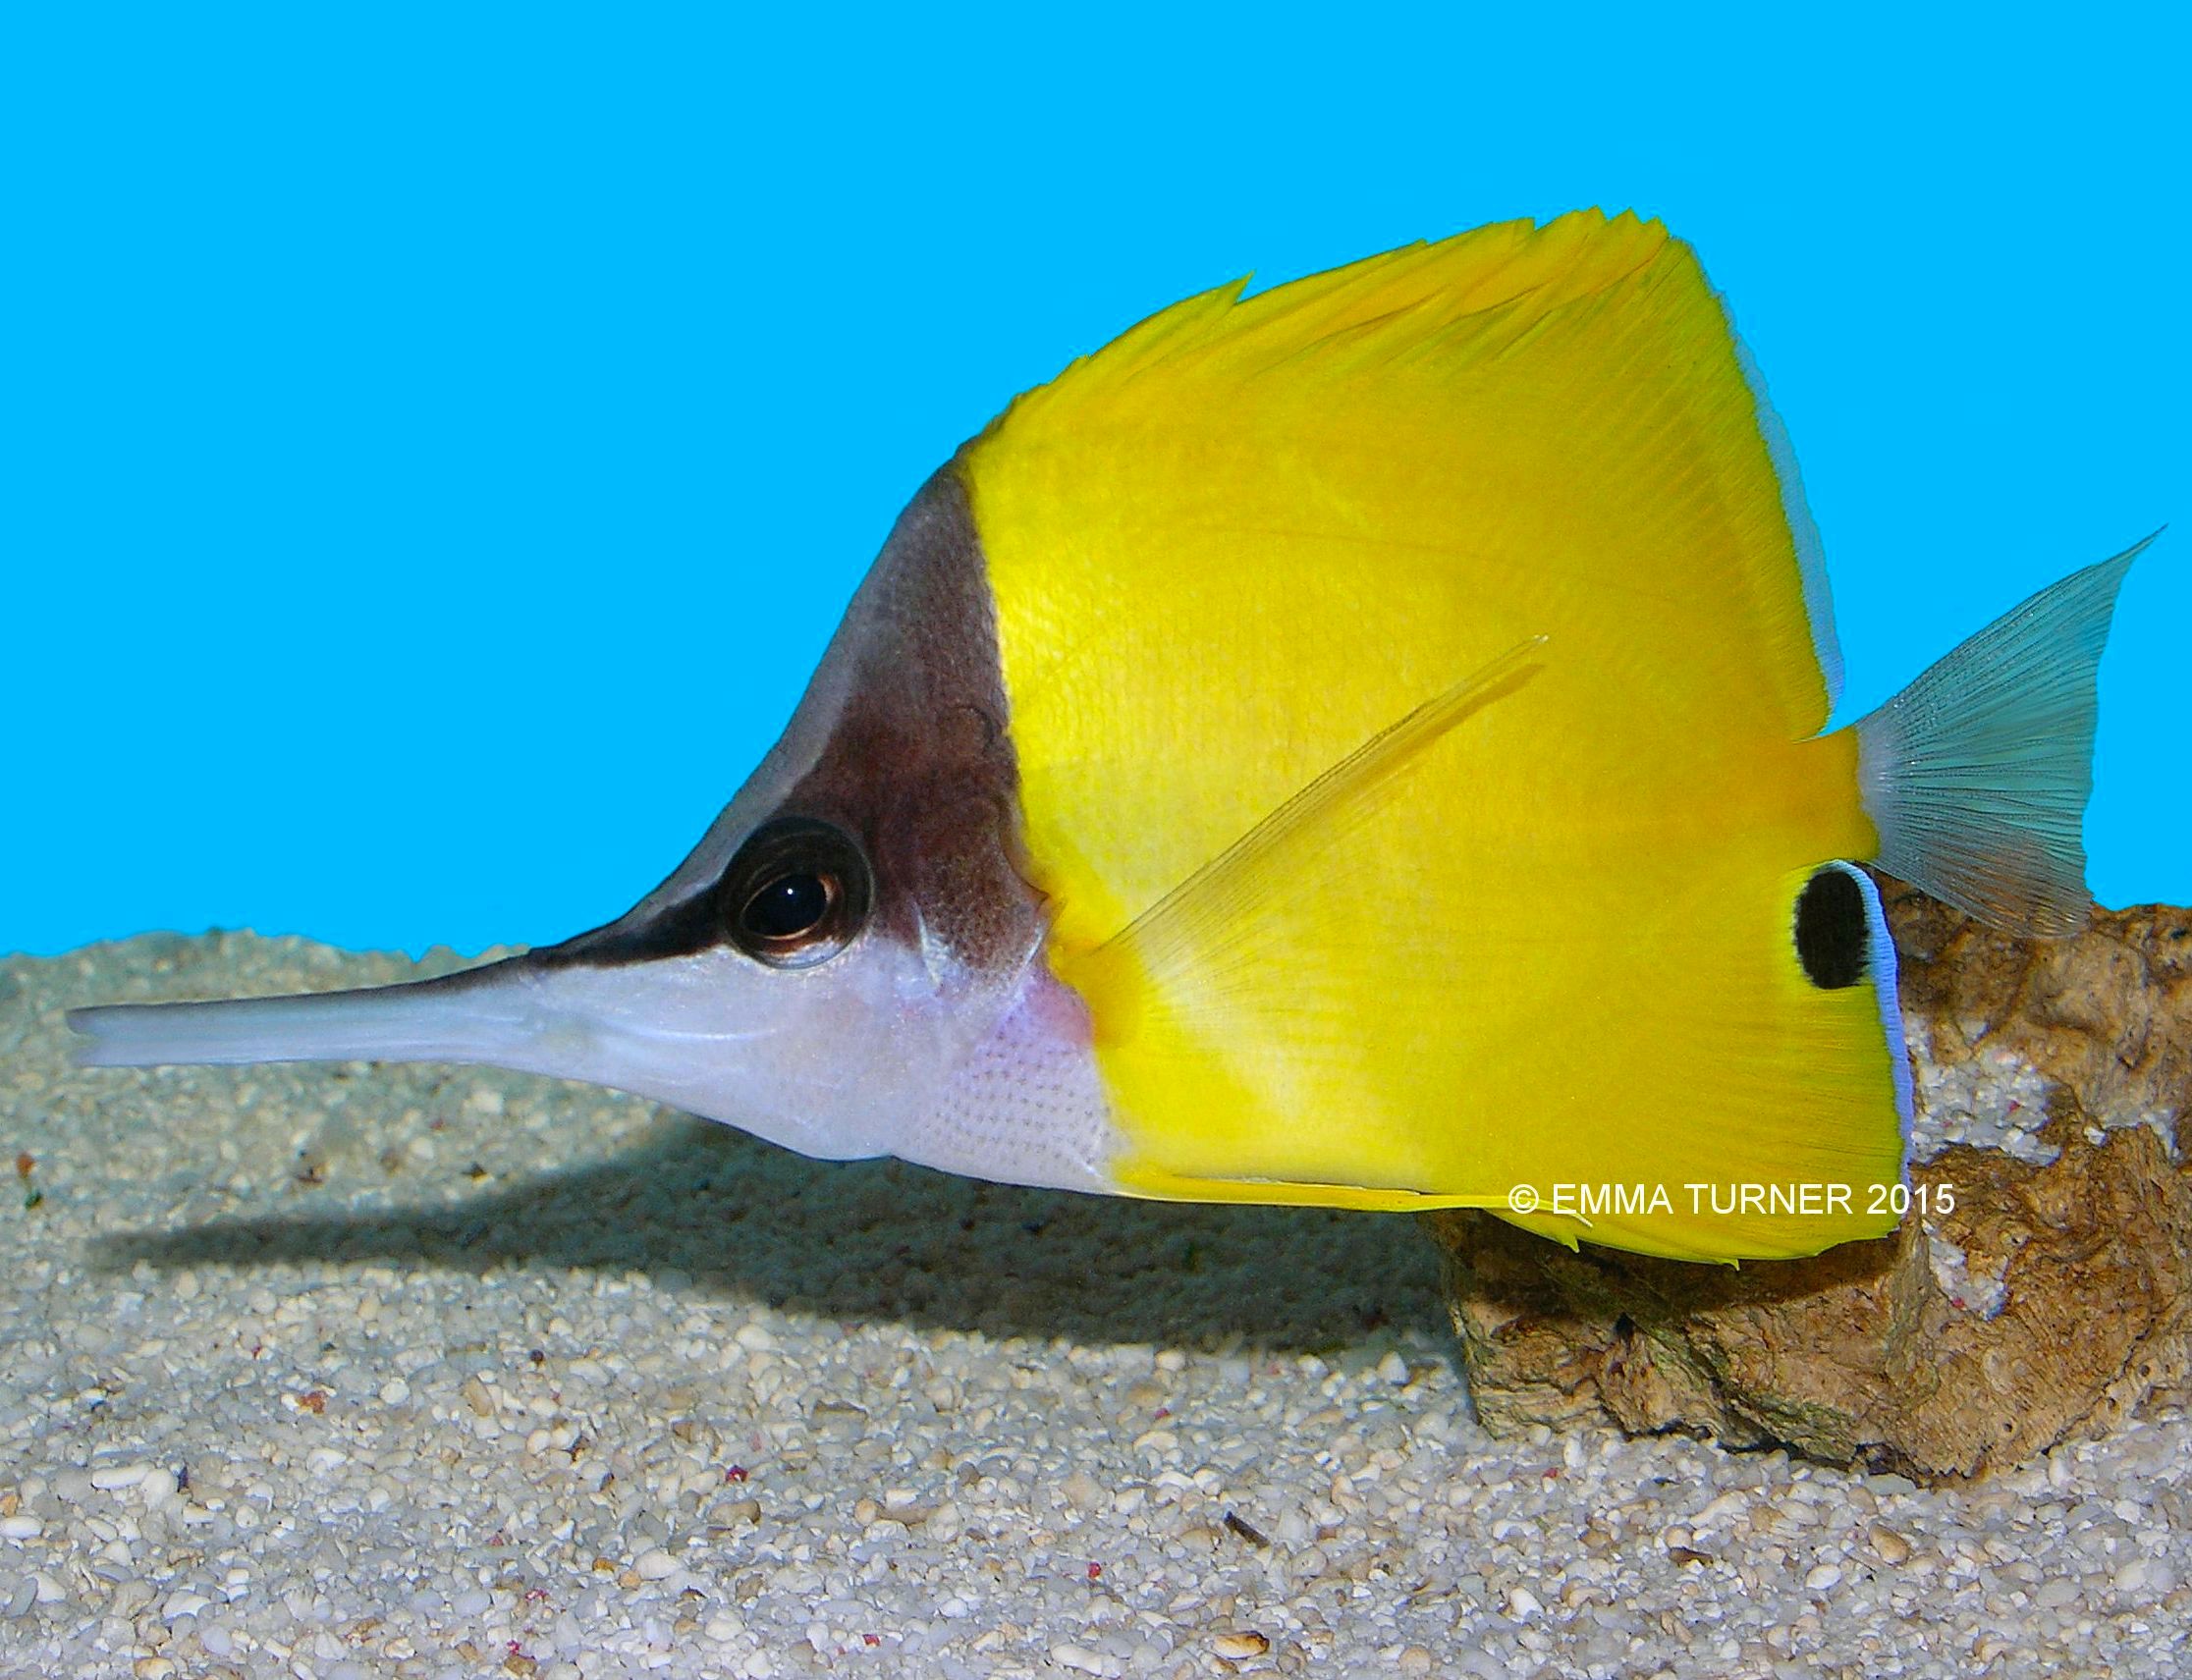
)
(346, 1372)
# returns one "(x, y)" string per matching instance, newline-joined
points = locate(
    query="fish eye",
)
(796, 892)
(788, 906)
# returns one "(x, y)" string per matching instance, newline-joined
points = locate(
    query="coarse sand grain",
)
(338, 1372)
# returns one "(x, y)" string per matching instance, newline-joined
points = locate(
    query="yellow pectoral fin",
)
(1219, 904)
(1220, 1002)
(1213, 973)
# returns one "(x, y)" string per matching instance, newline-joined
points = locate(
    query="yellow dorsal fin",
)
(1383, 307)
(1426, 454)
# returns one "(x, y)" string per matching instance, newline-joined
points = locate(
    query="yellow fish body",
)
(1358, 744)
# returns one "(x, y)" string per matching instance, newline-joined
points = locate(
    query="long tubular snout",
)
(712, 1033)
(453, 1019)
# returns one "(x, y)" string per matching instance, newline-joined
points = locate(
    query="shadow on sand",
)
(882, 1240)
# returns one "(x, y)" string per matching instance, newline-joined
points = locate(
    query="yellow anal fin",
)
(1354, 1006)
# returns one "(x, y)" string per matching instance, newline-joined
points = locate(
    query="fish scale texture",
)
(434, 1373)
(1026, 1109)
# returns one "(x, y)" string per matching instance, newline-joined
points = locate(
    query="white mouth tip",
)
(111, 1039)
(160, 1035)
(427, 1020)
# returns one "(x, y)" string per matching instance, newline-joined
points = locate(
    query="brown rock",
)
(2050, 1299)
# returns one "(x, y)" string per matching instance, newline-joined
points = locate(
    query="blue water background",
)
(438, 441)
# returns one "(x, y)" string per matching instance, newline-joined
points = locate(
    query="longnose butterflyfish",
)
(1360, 743)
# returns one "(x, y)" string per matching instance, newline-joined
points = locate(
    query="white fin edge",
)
(1879, 966)
(1811, 555)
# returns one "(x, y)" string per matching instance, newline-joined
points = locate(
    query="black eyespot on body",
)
(1834, 935)
(796, 893)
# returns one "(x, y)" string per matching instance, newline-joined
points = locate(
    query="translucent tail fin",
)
(1977, 773)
